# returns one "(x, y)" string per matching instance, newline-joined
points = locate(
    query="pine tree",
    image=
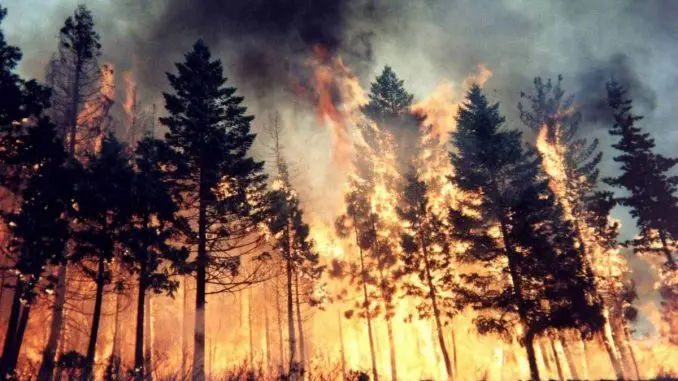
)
(103, 211)
(389, 108)
(209, 133)
(290, 236)
(39, 229)
(74, 77)
(390, 135)
(29, 159)
(572, 165)
(358, 221)
(652, 201)
(154, 223)
(428, 255)
(518, 230)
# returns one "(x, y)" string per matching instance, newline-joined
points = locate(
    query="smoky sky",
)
(265, 43)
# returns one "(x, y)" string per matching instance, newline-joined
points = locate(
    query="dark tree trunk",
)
(292, 368)
(436, 311)
(185, 332)
(518, 292)
(47, 365)
(198, 373)
(281, 342)
(531, 357)
(302, 345)
(19, 337)
(96, 320)
(6, 366)
(139, 337)
(148, 337)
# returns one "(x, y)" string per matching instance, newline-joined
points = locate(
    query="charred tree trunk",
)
(96, 320)
(302, 345)
(292, 367)
(19, 337)
(62, 347)
(139, 337)
(47, 365)
(185, 332)
(436, 311)
(531, 357)
(517, 290)
(198, 373)
(148, 338)
(6, 366)
(280, 330)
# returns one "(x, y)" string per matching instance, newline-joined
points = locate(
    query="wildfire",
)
(441, 106)
(339, 97)
(92, 120)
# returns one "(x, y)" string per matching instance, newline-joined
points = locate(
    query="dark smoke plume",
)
(264, 40)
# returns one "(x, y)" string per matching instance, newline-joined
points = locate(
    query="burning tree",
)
(652, 196)
(572, 166)
(289, 235)
(209, 134)
(75, 78)
(516, 230)
(103, 211)
(428, 254)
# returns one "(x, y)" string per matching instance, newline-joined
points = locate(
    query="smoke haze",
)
(264, 43)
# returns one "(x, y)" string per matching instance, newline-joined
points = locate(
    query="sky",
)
(426, 42)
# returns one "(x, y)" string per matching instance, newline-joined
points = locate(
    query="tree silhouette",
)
(209, 133)
(517, 229)
(652, 201)
(147, 237)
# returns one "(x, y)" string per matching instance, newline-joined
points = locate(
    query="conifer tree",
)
(39, 229)
(646, 176)
(572, 165)
(428, 255)
(390, 135)
(517, 229)
(103, 210)
(30, 157)
(209, 133)
(73, 76)
(356, 222)
(290, 236)
(389, 107)
(154, 223)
